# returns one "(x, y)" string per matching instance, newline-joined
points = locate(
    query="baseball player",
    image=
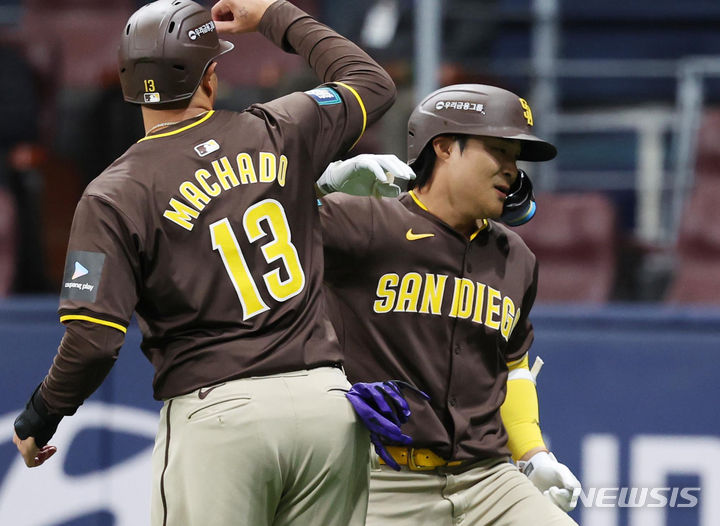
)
(207, 229)
(435, 290)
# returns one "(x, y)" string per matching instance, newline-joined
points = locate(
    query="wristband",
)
(36, 421)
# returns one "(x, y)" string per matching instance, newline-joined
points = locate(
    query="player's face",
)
(482, 175)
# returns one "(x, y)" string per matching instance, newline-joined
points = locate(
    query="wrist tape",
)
(36, 421)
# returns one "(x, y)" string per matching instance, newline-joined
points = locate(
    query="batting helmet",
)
(165, 48)
(476, 109)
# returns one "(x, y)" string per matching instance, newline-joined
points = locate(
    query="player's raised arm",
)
(350, 72)
(333, 57)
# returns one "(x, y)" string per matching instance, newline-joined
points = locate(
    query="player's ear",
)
(209, 80)
(443, 145)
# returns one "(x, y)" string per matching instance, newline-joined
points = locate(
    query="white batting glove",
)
(365, 174)
(553, 479)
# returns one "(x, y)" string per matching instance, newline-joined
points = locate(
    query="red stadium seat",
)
(697, 269)
(707, 162)
(574, 239)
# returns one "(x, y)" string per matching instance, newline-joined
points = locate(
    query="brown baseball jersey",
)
(412, 299)
(209, 231)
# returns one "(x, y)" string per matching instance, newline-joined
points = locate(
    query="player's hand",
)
(382, 407)
(32, 455)
(365, 174)
(239, 16)
(553, 479)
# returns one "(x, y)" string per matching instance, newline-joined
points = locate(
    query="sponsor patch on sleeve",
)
(325, 96)
(82, 275)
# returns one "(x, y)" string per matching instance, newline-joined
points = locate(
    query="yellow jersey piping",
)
(71, 317)
(483, 227)
(206, 117)
(417, 201)
(362, 107)
(421, 205)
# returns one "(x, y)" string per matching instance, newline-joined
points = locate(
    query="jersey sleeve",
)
(347, 226)
(326, 121)
(102, 267)
(355, 91)
(523, 333)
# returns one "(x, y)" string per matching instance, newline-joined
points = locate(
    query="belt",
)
(418, 459)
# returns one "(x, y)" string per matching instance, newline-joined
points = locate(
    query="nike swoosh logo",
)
(203, 394)
(412, 237)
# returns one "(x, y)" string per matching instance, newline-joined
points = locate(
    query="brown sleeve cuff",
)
(277, 20)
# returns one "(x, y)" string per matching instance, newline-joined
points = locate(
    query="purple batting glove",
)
(382, 452)
(383, 409)
(375, 421)
(387, 399)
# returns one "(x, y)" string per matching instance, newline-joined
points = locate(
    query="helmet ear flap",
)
(520, 204)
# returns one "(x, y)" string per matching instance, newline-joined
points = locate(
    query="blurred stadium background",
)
(627, 230)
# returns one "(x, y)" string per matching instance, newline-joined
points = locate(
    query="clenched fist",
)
(239, 16)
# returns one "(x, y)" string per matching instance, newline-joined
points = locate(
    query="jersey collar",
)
(179, 130)
(482, 223)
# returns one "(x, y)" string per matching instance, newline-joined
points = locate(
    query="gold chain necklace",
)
(171, 123)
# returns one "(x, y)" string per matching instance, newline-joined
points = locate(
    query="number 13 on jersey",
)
(279, 248)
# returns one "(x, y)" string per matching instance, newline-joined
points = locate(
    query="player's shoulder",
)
(121, 183)
(514, 241)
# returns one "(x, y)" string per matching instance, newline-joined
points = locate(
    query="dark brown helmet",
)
(476, 109)
(165, 48)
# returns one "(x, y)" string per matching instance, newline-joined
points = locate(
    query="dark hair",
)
(425, 163)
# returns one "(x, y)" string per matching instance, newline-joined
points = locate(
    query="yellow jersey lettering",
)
(433, 294)
(199, 192)
(194, 195)
(181, 214)
(492, 308)
(246, 168)
(462, 298)
(282, 170)
(385, 293)
(479, 296)
(201, 177)
(508, 317)
(268, 167)
(225, 173)
(409, 294)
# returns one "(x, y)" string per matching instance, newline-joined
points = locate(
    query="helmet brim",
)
(535, 149)
(225, 46)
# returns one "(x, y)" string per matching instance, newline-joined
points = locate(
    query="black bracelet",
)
(36, 421)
